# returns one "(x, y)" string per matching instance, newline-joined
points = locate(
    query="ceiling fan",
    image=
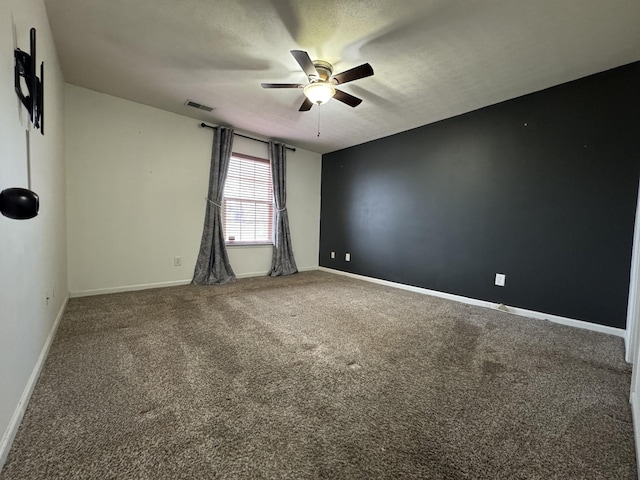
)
(322, 82)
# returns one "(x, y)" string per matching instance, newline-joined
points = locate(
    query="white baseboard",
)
(482, 303)
(175, 283)
(308, 269)
(127, 288)
(16, 418)
(266, 272)
(251, 274)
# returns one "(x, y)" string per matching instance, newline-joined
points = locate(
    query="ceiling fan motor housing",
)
(324, 69)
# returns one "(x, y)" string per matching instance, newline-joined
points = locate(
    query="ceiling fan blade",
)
(347, 98)
(306, 105)
(355, 73)
(281, 85)
(305, 63)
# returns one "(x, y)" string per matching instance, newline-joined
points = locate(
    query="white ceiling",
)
(433, 59)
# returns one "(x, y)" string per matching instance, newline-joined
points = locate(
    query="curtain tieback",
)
(282, 209)
(211, 201)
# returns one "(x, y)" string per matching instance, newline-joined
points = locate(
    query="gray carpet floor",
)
(321, 376)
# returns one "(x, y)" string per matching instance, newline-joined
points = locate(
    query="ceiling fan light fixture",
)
(319, 92)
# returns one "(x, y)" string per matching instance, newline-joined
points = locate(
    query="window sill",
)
(249, 244)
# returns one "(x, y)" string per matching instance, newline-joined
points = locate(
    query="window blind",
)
(248, 201)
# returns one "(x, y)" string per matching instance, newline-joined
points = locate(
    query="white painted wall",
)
(632, 337)
(137, 178)
(634, 396)
(33, 262)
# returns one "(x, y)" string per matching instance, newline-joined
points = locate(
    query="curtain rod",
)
(204, 125)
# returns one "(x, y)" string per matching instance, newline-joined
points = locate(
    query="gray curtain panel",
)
(213, 262)
(283, 262)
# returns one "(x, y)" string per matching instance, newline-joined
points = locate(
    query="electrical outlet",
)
(501, 278)
(177, 261)
(333, 254)
(347, 257)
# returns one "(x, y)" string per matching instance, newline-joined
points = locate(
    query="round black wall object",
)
(19, 203)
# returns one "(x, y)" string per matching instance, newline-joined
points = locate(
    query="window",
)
(247, 213)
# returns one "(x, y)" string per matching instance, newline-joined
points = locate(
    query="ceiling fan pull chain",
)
(319, 120)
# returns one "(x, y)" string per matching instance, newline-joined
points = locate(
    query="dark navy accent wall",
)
(542, 188)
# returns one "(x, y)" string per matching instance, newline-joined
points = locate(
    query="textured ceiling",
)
(433, 59)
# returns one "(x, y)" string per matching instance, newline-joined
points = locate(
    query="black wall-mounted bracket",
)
(22, 203)
(25, 67)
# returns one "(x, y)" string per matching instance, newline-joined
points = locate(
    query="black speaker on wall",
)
(19, 203)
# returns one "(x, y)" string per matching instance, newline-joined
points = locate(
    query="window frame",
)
(271, 206)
